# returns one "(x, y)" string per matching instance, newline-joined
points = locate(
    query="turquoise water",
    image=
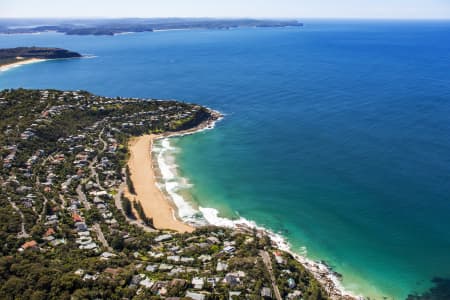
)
(336, 135)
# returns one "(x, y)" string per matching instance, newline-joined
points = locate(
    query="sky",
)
(365, 9)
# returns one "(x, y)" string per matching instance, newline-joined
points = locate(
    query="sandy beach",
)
(154, 202)
(20, 63)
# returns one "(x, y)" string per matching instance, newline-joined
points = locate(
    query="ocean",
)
(336, 135)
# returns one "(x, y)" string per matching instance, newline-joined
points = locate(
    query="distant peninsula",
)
(120, 26)
(10, 57)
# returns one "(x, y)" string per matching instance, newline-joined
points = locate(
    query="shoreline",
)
(161, 208)
(329, 279)
(7, 67)
(154, 202)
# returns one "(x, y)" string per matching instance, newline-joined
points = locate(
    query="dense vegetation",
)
(10, 55)
(140, 211)
(69, 233)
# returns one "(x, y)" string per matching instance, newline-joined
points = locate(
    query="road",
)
(63, 201)
(43, 208)
(266, 259)
(105, 144)
(94, 161)
(101, 237)
(23, 233)
(82, 197)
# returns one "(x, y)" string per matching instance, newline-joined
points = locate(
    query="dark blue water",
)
(336, 135)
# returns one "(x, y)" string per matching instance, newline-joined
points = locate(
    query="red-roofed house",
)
(28, 245)
(76, 218)
(49, 232)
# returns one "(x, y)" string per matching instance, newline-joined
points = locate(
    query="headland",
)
(15, 57)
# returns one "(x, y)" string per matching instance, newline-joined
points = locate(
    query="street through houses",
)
(268, 263)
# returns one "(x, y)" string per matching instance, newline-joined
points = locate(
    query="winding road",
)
(23, 233)
(266, 259)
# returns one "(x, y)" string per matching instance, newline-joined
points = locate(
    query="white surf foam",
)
(88, 56)
(20, 63)
(212, 217)
(172, 184)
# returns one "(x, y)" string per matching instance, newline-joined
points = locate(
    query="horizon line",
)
(229, 18)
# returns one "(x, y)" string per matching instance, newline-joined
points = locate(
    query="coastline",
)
(152, 199)
(157, 203)
(165, 211)
(10, 66)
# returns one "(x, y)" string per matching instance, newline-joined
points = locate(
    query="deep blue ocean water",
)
(336, 135)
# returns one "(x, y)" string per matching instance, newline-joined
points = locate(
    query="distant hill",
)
(12, 55)
(116, 26)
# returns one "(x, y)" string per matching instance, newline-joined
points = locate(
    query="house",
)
(205, 258)
(79, 272)
(213, 240)
(177, 283)
(49, 232)
(232, 279)
(28, 245)
(48, 238)
(151, 268)
(101, 193)
(135, 280)
(147, 283)
(107, 255)
(76, 218)
(163, 237)
(192, 270)
(57, 242)
(81, 226)
(229, 249)
(195, 296)
(90, 246)
(113, 271)
(278, 257)
(234, 294)
(23, 189)
(295, 295)
(291, 283)
(97, 200)
(221, 266)
(173, 258)
(212, 281)
(177, 270)
(160, 287)
(187, 259)
(165, 267)
(155, 254)
(90, 277)
(198, 283)
(52, 218)
(266, 293)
